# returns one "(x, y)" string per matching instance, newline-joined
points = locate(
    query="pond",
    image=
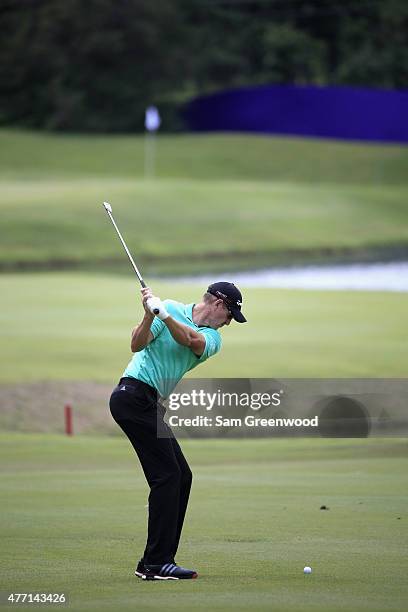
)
(389, 276)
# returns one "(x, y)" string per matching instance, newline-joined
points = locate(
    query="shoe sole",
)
(156, 577)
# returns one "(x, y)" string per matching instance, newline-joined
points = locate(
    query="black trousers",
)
(135, 408)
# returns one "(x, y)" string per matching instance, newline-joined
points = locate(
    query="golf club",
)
(108, 209)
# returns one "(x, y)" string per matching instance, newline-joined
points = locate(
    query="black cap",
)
(231, 296)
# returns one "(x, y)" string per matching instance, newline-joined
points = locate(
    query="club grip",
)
(154, 309)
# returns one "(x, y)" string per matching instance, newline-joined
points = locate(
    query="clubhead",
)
(107, 206)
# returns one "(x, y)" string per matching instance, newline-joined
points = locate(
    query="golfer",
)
(165, 347)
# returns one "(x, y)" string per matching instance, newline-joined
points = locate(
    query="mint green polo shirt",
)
(163, 362)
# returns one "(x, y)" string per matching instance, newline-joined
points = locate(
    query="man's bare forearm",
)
(183, 334)
(141, 334)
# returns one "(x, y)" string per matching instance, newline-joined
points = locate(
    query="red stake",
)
(68, 419)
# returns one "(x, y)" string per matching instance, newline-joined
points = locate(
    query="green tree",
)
(91, 65)
(374, 46)
(96, 64)
(292, 56)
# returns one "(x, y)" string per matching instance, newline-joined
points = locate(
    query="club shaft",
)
(139, 276)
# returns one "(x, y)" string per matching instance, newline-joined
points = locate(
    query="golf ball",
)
(307, 570)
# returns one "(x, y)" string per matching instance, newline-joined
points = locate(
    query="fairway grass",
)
(74, 516)
(183, 225)
(217, 202)
(76, 327)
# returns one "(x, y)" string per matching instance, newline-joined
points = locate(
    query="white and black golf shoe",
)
(168, 571)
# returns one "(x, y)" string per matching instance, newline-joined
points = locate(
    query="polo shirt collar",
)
(189, 313)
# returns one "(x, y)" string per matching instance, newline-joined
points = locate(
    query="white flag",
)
(152, 119)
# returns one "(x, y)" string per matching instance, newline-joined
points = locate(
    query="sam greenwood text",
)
(249, 421)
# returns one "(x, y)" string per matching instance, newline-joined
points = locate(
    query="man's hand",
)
(157, 307)
(146, 294)
(151, 303)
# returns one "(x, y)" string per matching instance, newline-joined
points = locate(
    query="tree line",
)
(94, 65)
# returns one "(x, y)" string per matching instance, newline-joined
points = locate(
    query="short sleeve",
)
(212, 342)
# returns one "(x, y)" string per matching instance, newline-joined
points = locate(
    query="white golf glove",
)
(156, 307)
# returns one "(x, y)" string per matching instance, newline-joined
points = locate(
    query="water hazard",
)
(390, 276)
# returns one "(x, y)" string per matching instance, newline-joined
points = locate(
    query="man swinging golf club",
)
(171, 339)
